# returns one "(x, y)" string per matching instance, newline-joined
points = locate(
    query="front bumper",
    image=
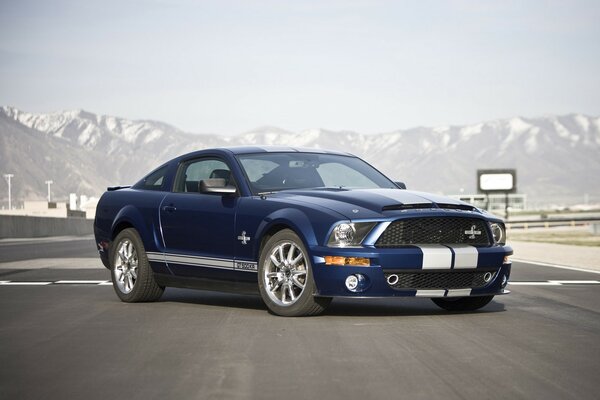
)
(441, 261)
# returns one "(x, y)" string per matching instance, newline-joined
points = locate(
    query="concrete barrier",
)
(19, 226)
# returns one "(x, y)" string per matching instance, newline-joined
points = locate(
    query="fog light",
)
(352, 282)
(506, 260)
(487, 277)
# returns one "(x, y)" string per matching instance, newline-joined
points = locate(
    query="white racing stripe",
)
(436, 256)
(5, 283)
(465, 256)
(430, 293)
(84, 282)
(458, 292)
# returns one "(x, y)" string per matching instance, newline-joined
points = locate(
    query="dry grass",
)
(576, 236)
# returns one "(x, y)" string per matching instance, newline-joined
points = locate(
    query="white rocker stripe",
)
(208, 262)
(228, 264)
(465, 256)
(436, 256)
(158, 257)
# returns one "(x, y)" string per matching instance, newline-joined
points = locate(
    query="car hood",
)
(371, 203)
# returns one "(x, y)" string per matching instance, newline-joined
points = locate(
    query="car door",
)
(198, 228)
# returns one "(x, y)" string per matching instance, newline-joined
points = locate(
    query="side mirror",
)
(401, 185)
(216, 186)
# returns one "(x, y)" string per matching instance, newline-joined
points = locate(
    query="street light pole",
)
(49, 183)
(8, 177)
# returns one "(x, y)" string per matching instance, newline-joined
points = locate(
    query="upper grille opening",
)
(416, 206)
(435, 230)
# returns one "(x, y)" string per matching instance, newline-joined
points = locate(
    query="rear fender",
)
(131, 216)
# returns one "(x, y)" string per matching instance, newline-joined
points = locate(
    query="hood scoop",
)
(418, 206)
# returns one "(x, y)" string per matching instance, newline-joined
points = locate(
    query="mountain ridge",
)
(556, 156)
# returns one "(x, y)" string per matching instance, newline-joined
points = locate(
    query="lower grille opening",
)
(470, 279)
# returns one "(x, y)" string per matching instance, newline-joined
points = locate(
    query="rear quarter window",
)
(154, 181)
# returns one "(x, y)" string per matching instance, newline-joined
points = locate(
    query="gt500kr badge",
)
(246, 266)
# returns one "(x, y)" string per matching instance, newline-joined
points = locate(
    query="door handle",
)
(169, 208)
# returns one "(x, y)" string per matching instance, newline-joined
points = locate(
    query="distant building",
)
(82, 207)
(495, 203)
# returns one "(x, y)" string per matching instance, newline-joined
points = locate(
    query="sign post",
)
(497, 181)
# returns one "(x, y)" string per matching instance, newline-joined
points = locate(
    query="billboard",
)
(497, 180)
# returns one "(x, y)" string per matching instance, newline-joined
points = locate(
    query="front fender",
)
(292, 218)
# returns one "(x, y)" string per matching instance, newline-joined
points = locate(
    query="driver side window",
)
(192, 172)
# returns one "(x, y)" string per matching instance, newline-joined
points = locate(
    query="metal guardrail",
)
(551, 222)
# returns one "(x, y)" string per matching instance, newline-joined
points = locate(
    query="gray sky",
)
(370, 66)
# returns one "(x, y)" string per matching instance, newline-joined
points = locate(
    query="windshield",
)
(271, 172)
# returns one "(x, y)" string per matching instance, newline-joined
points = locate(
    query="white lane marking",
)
(465, 256)
(430, 293)
(554, 265)
(458, 292)
(436, 256)
(62, 282)
(555, 283)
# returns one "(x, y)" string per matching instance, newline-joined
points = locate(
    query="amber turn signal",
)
(355, 261)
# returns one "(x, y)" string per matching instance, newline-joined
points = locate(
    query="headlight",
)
(498, 232)
(348, 234)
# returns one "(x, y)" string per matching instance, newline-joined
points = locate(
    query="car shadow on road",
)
(339, 307)
(218, 299)
(398, 307)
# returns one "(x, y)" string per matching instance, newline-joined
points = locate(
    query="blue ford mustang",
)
(300, 227)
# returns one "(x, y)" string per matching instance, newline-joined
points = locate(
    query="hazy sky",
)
(369, 66)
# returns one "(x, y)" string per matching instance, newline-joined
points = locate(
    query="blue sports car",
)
(300, 227)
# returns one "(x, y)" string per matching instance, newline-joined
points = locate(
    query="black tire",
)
(283, 293)
(462, 303)
(132, 289)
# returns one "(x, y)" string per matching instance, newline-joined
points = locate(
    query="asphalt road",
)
(56, 247)
(70, 340)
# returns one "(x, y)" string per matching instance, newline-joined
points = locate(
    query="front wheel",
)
(462, 303)
(132, 276)
(285, 277)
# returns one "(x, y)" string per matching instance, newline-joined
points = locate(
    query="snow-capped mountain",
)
(557, 157)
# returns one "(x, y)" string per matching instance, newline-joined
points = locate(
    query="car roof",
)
(263, 149)
(280, 149)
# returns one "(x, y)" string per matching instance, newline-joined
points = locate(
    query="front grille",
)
(439, 280)
(435, 230)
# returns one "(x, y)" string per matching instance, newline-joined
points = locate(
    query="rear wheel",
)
(285, 277)
(132, 276)
(462, 303)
